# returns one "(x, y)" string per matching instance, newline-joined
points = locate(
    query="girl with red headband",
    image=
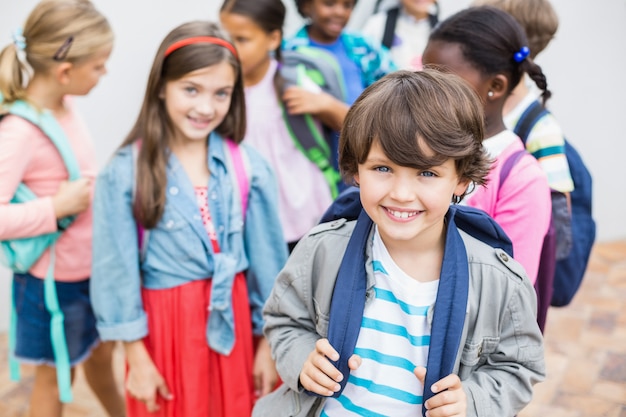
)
(187, 239)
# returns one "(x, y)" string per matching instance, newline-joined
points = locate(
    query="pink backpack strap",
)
(238, 168)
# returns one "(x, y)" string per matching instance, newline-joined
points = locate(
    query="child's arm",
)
(143, 381)
(264, 242)
(324, 106)
(115, 283)
(264, 372)
(38, 216)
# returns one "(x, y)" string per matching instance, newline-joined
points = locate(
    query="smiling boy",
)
(353, 336)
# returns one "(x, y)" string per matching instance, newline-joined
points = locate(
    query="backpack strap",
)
(313, 68)
(47, 123)
(347, 303)
(433, 18)
(528, 119)
(508, 165)
(239, 167)
(390, 26)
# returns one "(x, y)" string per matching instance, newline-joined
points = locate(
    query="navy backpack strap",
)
(450, 308)
(348, 302)
(528, 119)
(433, 18)
(390, 27)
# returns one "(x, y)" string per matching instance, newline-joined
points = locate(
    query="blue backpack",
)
(20, 254)
(570, 269)
(313, 69)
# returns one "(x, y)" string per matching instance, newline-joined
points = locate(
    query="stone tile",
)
(611, 391)
(612, 252)
(587, 405)
(603, 321)
(549, 410)
(614, 368)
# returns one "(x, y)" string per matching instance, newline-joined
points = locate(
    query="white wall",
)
(585, 67)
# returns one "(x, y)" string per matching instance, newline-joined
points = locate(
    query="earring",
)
(490, 93)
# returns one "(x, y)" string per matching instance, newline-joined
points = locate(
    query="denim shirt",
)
(370, 56)
(179, 249)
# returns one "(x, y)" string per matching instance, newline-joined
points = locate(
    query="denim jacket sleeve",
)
(115, 281)
(264, 243)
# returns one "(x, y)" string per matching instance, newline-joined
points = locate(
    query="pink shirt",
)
(304, 194)
(28, 156)
(522, 206)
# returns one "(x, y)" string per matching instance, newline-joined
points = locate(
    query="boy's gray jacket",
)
(501, 352)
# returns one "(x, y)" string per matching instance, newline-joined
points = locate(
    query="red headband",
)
(201, 39)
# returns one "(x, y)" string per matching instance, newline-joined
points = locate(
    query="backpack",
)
(315, 70)
(570, 268)
(20, 254)
(544, 284)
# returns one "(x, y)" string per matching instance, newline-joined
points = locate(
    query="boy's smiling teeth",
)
(402, 214)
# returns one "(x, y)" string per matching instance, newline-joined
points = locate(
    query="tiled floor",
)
(585, 353)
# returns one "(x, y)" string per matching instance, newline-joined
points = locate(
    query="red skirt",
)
(203, 382)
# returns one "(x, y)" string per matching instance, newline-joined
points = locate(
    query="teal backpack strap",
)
(47, 123)
(14, 366)
(57, 334)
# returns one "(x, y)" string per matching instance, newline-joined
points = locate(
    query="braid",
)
(536, 74)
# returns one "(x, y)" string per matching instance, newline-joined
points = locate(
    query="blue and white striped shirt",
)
(393, 340)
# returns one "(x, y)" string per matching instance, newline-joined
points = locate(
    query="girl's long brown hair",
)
(153, 127)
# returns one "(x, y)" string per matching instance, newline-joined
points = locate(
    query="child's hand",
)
(450, 399)
(301, 101)
(144, 381)
(318, 375)
(72, 197)
(265, 375)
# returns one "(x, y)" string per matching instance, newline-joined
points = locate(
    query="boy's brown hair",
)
(537, 17)
(414, 115)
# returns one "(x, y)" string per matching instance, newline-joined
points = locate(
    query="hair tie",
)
(18, 39)
(522, 54)
(20, 49)
(200, 39)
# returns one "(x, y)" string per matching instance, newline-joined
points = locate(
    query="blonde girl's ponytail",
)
(14, 70)
(55, 31)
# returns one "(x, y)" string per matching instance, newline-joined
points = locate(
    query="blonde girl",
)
(60, 52)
